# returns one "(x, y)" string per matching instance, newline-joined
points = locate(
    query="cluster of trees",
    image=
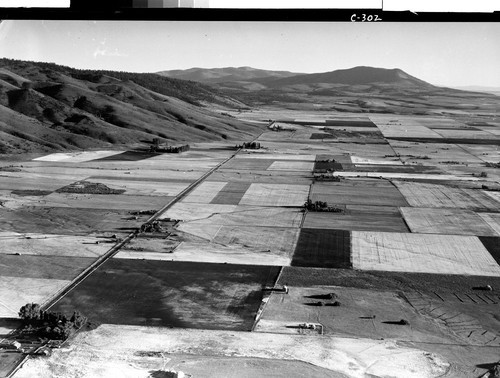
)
(321, 206)
(250, 145)
(326, 177)
(47, 324)
(170, 149)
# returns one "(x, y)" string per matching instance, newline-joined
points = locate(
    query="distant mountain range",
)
(278, 79)
(358, 89)
(220, 75)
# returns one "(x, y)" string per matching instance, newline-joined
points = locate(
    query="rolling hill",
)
(45, 107)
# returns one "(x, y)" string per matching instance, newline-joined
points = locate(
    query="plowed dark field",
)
(323, 249)
(172, 294)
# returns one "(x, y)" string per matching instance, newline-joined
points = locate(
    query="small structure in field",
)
(249, 146)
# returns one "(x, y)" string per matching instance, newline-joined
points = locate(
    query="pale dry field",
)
(407, 131)
(235, 215)
(291, 166)
(111, 351)
(366, 160)
(52, 245)
(263, 154)
(77, 157)
(419, 253)
(205, 192)
(446, 221)
(431, 195)
(275, 195)
(17, 291)
(209, 252)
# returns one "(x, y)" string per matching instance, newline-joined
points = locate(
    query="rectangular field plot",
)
(272, 240)
(385, 169)
(362, 192)
(361, 220)
(231, 193)
(175, 294)
(205, 192)
(493, 220)
(76, 157)
(350, 123)
(17, 291)
(407, 131)
(103, 201)
(210, 253)
(275, 195)
(145, 188)
(34, 183)
(431, 195)
(232, 215)
(465, 134)
(492, 244)
(403, 175)
(303, 166)
(432, 154)
(192, 211)
(264, 177)
(53, 245)
(274, 156)
(446, 221)
(365, 160)
(283, 314)
(246, 163)
(44, 267)
(323, 249)
(486, 153)
(72, 221)
(444, 254)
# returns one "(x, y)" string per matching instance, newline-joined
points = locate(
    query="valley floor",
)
(207, 262)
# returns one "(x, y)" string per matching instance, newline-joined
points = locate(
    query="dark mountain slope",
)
(352, 76)
(52, 107)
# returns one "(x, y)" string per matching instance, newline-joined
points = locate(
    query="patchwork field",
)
(414, 236)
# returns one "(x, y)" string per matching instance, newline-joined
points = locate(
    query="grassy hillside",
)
(46, 107)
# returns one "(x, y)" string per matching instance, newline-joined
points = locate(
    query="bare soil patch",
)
(47, 267)
(368, 218)
(231, 193)
(69, 221)
(323, 248)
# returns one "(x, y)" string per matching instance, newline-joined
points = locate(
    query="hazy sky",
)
(452, 54)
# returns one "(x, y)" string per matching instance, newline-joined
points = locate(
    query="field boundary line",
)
(115, 249)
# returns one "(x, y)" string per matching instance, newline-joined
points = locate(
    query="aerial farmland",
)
(238, 222)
